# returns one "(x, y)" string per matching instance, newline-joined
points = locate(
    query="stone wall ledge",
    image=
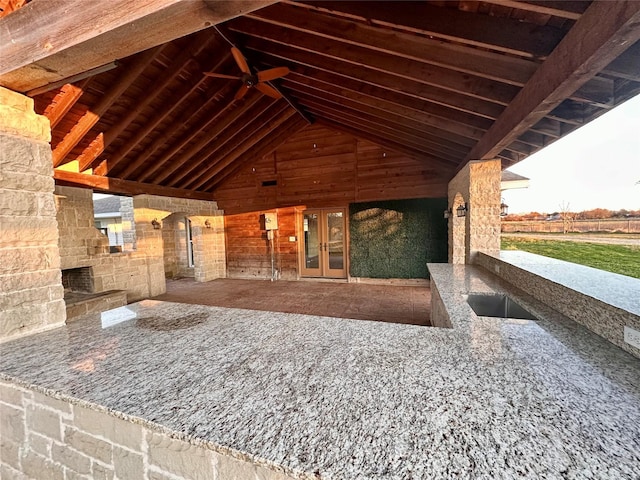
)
(603, 302)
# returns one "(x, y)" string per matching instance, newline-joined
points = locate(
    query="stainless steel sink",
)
(497, 305)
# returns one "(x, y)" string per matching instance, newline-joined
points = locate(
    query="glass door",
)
(323, 243)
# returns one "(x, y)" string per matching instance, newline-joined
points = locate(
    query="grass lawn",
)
(612, 258)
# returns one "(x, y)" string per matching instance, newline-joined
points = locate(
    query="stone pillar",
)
(477, 184)
(31, 292)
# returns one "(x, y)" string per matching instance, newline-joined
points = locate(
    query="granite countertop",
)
(353, 399)
(618, 290)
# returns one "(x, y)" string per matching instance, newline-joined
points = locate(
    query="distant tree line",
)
(595, 214)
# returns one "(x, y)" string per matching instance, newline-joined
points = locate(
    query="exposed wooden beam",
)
(374, 63)
(171, 162)
(63, 101)
(91, 152)
(569, 9)
(441, 115)
(499, 34)
(389, 120)
(604, 31)
(457, 132)
(74, 79)
(462, 58)
(265, 147)
(234, 133)
(382, 132)
(91, 117)
(195, 106)
(126, 187)
(46, 41)
(174, 69)
(230, 156)
(293, 58)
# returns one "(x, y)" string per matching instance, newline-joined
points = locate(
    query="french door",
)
(323, 243)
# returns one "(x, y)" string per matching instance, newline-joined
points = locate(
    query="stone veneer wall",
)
(601, 318)
(208, 243)
(31, 292)
(46, 438)
(478, 184)
(82, 245)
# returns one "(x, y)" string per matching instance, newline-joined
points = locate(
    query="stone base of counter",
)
(49, 438)
(82, 304)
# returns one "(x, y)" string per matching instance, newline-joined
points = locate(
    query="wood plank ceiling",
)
(442, 81)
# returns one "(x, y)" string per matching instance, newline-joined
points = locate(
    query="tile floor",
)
(387, 303)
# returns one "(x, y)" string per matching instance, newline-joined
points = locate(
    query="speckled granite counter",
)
(346, 399)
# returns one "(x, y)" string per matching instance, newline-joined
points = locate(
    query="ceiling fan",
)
(250, 80)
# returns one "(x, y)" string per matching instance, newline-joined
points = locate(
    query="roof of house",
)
(444, 82)
(109, 204)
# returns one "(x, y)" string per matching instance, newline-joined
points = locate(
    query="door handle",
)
(325, 247)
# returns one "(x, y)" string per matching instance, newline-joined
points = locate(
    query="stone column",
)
(477, 184)
(31, 292)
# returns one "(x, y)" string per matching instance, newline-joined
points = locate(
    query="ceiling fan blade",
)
(268, 90)
(272, 74)
(240, 60)
(222, 75)
(241, 92)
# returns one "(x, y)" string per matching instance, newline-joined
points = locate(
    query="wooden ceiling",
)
(441, 81)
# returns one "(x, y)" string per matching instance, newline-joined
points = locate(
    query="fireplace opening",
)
(77, 280)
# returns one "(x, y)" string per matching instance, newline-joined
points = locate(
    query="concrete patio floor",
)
(386, 303)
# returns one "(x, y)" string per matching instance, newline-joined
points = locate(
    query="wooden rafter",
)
(498, 34)
(490, 65)
(126, 187)
(455, 131)
(237, 132)
(91, 117)
(97, 33)
(198, 104)
(292, 58)
(265, 147)
(373, 63)
(604, 31)
(64, 101)
(232, 153)
(176, 158)
(569, 9)
(174, 69)
(388, 120)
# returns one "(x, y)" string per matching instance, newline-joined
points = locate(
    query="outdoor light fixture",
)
(447, 213)
(156, 224)
(461, 211)
(207, 223)
(504, 209)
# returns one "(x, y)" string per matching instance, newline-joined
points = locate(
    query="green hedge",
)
(397, 238)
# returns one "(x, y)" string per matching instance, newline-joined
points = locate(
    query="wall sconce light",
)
(447, 213)
(461, 211)
(156, 224)
(504, 209)
(207, 223)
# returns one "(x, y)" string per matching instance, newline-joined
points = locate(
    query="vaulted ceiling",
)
(441, 81)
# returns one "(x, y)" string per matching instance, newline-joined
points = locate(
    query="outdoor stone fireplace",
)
(77, 280)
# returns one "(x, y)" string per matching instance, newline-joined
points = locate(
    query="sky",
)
(595, 166)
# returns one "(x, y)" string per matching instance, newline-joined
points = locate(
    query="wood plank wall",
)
(248, 250)
(339, 170)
